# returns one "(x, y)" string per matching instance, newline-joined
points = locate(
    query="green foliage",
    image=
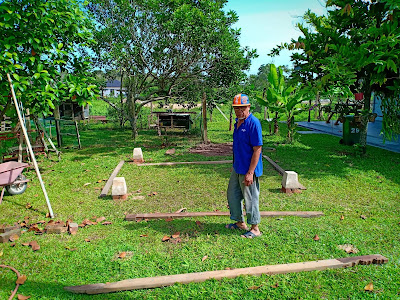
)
(172, 51)
(283, 98)
(43, 48)
(354, 48)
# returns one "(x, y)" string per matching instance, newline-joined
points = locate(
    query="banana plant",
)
(283, 98)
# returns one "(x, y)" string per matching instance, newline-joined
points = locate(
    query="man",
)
(247, 167)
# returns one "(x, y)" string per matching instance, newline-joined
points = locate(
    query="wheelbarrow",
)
(11, 178)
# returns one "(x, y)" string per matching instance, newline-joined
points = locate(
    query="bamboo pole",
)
(28, 144)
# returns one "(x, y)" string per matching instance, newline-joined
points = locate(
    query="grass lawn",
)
(338, 183)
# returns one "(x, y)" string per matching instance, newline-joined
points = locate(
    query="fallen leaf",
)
(180, 210)
(1, 253)
(22, 297)
(101, 219)
(25, 244)
(86, 184)
(101, 180)
(363, 217)
(165, 238)
(369, 287)
(12, 245)
(176, 235)
(275, 285)
(48, 215)
(170, 151)
(255, 287)
(316, 238)
(176, 241)
(122, 255)
(169, 219)
(204, 257)
(106, 223)
(198, 223)
(14, 237)
(36, 195)
(28, 205)
(143, 235)
(21, 279)
(341, 217)
(35, 246)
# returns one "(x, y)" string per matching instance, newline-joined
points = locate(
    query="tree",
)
(282, 98)
(168, 50)
(43, 48)
(355, 48)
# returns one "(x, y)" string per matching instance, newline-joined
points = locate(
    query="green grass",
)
(338, 183)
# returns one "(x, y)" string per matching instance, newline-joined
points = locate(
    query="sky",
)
(267, 23)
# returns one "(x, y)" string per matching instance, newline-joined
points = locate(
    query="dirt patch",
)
(213, 149)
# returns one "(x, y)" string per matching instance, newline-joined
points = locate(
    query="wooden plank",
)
(274, 164)
(161, 281)
(106, 188)
(303, 214)
(188, 163)
(280, 170)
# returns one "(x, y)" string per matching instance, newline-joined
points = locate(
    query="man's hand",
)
(248, 179)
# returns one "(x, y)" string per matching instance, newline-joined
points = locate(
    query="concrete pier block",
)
(119, 189)
(138, 155)
(290, 180)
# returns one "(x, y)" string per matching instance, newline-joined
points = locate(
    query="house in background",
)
(112, 89)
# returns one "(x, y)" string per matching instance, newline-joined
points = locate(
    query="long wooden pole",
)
(161, 281)
(303, 214)
(28, 144)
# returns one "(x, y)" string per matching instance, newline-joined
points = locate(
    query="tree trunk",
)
(205, 139)
(121, 116)
(276, 126)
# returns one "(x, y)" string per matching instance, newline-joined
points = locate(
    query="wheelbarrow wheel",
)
(19, 188)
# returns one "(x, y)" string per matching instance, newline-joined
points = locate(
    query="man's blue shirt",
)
(247, 136)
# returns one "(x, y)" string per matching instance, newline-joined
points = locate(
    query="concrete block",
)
(56, 229)
(4, 237)
(138, 155)
(119, 187)
(7, 228)
(290, 180)
(73, 228)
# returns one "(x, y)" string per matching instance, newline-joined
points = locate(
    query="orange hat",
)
(241, 100)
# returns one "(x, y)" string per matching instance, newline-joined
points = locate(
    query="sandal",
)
(250, 235)
(234, 226)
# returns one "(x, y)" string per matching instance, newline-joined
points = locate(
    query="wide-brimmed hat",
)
(241, 100)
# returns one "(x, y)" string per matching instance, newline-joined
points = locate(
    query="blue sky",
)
(267, 23)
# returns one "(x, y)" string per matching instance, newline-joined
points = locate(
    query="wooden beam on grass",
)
(188, 163)
(281, 170)
(168, 280)
(106, 188)
(303, 214)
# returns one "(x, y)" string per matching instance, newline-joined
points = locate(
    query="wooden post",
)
(77, 134)
(168, 280)
(230, 118)
(205, 139)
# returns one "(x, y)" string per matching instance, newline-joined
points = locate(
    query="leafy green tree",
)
(282, 98)
(168, 50)
(355, 48)
(43, 48)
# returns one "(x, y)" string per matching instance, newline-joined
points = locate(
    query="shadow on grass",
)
(187, 227)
